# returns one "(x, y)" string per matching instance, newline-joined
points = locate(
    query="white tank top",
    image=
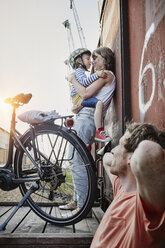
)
(105, 94)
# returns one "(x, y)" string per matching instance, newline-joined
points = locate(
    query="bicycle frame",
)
(9, 162)
(14, 140)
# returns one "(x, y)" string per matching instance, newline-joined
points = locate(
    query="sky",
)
(33, 48)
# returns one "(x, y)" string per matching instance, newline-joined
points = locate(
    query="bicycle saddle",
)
(20, 98)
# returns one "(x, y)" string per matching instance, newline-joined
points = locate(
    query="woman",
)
(103, 59)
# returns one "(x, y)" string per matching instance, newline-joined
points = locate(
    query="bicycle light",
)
(69, 122)
(89, 147)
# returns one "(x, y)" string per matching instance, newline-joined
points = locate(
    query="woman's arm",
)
(83, 79)
(85, 93)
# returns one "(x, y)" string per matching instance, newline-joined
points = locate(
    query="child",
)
(80, 60)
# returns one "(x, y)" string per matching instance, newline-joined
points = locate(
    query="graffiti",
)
(144, 106)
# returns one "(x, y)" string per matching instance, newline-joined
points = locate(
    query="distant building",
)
(4, 143)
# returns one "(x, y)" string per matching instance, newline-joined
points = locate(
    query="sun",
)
(3, 105)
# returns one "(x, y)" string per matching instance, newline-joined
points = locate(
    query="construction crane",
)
(69, 35)
(79, 28)
(67, 25)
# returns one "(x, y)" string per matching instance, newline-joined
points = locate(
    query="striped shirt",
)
(82, 78)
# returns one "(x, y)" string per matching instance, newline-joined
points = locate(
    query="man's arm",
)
(148, 167)
(107, 160)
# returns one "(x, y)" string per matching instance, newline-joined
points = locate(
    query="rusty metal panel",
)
(139, 30)
(147, 59)
(146, 23)
(110, 36)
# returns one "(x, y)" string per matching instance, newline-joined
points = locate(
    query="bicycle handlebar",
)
(20, 98)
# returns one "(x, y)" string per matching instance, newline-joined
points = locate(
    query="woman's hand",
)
(76, 108)
(101, 74)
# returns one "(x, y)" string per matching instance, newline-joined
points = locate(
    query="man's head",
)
(143, 131)
(135, 133)
(107, 55)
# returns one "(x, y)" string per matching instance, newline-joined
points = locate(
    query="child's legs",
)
(98, 114)
(90, 102)
(93, 102)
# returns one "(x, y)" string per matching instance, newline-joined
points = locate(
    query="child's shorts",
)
(77, 99)
(90, 102)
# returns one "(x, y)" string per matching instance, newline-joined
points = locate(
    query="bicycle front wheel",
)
(63, 166)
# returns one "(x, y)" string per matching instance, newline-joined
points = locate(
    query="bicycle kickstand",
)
(33, 188)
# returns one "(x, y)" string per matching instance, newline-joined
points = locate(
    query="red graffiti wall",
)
(147, 61)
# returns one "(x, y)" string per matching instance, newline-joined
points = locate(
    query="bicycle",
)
(41, 167)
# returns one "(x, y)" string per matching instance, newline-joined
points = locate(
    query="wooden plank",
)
(46, 240)
(4, 210)
(48, 246)
(31, 224)
(82, 227)
(29, 232)
(92, 224)
(50, 228)
(98, 213)
(17, 219)
(95, 221)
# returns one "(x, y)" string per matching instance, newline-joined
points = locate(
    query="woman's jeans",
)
(85, 128)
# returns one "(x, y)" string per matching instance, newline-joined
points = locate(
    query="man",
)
(136, 217)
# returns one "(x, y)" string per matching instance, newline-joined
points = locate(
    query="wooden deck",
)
(28, 230)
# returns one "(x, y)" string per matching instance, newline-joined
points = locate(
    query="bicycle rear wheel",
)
(56, 148)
